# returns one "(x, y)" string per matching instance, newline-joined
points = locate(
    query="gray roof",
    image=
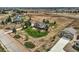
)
(77, 44)
(70, 30)
(77, 41)
(40, 25)
(17, 18)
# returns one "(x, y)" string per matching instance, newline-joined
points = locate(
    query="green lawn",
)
(35, 33)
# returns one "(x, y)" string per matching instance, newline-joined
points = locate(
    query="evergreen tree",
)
(2, 22)
(54, 22)
(47, 22)
(44, 20)
(14, 30)
(8, 19)
(27, 23)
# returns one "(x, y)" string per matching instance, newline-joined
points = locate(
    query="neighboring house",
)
(68, 33)
(17, 18)
(41, 25)
(77, 37)
(76, 45)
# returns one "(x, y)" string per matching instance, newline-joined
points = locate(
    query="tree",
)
(29, 18)
(44, 20)
(46, 28)
(27, 23)
(29, 45)
(54, 22)
(14, 30)
(47, 22)
(25, 11)
(18, 11)
(8, 19)
(22, 20)
(2, 22)
(51, 24)
(17, 36)
(54, 37)
(4, 12)
(26, 38)
(14, 14)
(22, 25)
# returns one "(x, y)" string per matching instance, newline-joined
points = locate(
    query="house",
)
(17, 18)
(77, 37)
(41, 26)
(68, 33)
(76, 45)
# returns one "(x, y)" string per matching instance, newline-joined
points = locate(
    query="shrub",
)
(26, 38)
(17, 36)
(8, 19)
(29, 45)
(14, 30)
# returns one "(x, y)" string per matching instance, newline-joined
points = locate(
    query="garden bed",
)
(29, 45)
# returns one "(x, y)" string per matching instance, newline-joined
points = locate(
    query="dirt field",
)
(3, 16)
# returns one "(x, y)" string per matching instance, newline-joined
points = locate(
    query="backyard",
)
(35, 33)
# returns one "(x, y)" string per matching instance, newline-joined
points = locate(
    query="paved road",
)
(11, 44)
(60, 45)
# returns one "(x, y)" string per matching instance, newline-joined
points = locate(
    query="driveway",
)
(10, 43)
(58, 47)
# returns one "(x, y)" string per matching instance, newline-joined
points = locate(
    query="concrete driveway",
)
(58, 47)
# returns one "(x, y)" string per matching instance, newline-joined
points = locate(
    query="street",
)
(10, 43)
